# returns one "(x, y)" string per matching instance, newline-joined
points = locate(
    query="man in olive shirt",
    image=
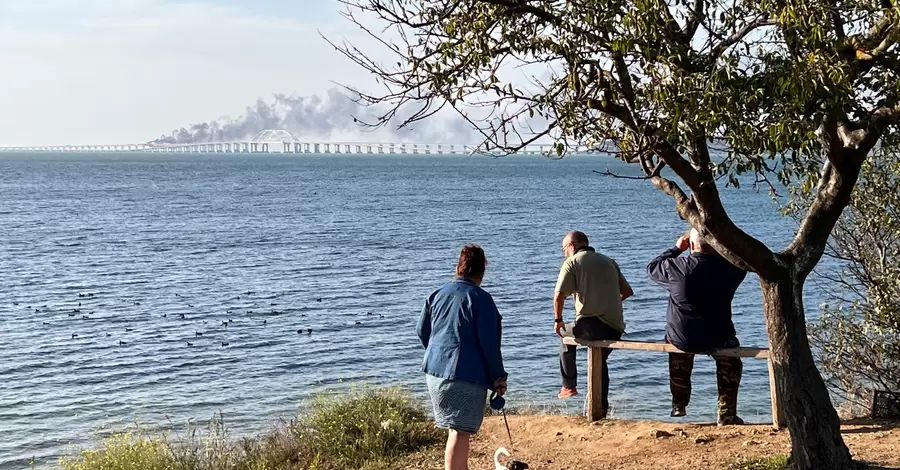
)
(599, 289)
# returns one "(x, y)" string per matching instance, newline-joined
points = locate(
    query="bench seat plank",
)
(758, 353)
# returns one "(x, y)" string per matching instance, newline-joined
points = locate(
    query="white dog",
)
(512, 464)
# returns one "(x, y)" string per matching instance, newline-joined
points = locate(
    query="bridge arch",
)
(275, 135)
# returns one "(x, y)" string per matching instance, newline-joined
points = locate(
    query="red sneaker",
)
(567, 392)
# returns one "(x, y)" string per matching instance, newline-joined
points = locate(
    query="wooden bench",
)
(595, 370)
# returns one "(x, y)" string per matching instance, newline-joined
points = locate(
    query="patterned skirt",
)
(457, 405)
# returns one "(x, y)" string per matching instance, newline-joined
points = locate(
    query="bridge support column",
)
(265, 148)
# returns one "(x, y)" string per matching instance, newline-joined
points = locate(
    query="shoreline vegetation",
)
(387, 429)
(364, 429)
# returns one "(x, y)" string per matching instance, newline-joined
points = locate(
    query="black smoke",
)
(331, 116)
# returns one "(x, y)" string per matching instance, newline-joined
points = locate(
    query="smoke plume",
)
(327, 117)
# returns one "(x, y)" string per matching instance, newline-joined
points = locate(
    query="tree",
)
(858, 335)
(799, 89)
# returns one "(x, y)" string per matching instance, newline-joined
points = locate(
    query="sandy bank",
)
(564, 442)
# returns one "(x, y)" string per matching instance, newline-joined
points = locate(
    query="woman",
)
(460, 329)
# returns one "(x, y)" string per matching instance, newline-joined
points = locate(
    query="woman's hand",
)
(500, 387)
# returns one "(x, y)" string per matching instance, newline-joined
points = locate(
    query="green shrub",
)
(367, 429)
(125, 452)
(778, 462)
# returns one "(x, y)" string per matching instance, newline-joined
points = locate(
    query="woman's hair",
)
(471, 262)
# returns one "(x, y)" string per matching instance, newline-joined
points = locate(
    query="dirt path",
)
(570, 443)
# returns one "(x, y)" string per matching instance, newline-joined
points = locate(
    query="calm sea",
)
(148, 288)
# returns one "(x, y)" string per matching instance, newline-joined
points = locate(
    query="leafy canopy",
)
(760, 78)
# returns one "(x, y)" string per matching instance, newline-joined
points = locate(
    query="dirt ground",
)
(570, 442)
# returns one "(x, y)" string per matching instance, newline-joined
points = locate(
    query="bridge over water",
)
(273, 141)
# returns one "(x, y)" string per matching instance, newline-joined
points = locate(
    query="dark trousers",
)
(587, 329)
(728, 379)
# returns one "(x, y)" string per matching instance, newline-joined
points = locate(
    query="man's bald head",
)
(698, 244)
(574, 241)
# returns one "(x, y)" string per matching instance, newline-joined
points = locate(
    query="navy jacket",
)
(701, 287)
(460, 329)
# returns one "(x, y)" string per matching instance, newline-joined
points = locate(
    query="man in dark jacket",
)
(701, 287)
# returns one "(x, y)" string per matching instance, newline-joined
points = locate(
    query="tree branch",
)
(882, 29)
(837, 22)
(881, 119)
(705, 212)
(697, 13)
(720, 48)
(524, 6)
(833, 192)
(610, 174)
(670, 26)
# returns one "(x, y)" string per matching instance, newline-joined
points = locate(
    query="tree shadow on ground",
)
(868, 425)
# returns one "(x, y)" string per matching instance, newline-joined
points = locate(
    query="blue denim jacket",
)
(460, 329)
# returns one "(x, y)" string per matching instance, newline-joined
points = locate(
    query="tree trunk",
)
(813, 423)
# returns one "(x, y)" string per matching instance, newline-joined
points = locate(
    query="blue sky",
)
(118, 71)
(306, 10)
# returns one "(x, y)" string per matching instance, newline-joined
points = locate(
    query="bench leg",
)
(595, 384)
(778, 420)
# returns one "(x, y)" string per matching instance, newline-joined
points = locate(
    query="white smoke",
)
(328, 117)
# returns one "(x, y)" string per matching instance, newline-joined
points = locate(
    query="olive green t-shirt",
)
(597, 283)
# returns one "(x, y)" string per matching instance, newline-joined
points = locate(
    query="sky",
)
(128, 71)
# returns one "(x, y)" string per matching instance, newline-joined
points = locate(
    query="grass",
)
(778, 462)
(368, 429)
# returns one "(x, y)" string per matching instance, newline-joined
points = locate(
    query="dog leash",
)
(498, 403)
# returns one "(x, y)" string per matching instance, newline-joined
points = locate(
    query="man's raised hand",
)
(683, 242)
